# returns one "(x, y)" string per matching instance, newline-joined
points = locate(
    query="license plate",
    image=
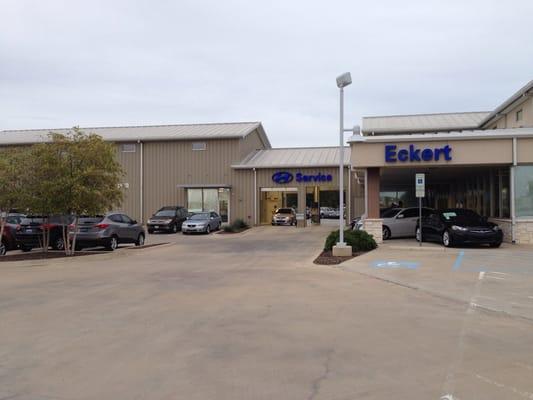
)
(84, 230)
(29, 230)
(156, 226)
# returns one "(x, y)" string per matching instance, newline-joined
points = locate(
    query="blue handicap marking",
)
(395, 264)
(458, 261)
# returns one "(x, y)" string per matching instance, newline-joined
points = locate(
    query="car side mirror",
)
(134, 222)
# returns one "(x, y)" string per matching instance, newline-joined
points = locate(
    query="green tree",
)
(74, 174)
(12, 185)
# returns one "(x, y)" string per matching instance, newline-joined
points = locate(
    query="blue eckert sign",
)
(414, 154)
(282, 177)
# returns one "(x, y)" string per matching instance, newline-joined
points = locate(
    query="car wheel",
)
(208, 229)
(3, 249)
(417, 234)
(446, 239)
(494, 245)
(175, 228)
(140, 240)
(112, 243)
(386, 233)
(218, 226)
(59, 244)
(150, 231)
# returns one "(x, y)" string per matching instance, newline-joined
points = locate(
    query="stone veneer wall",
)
(374, 227)
(523, 230)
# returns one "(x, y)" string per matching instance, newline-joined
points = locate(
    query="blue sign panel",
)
(414, 154)
(282, 177)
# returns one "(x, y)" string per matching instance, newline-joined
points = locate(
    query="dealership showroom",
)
(482, 161)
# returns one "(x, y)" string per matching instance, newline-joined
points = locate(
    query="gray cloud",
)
(65, 63)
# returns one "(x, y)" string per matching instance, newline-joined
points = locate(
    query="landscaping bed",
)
(41, 255)
(223, 232)
(360, 241)
(327, 258)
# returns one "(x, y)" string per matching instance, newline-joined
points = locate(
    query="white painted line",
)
(481, 275)
(499, 273)
(530, 297)
(494, 277)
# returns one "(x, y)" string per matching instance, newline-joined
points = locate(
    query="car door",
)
(118, 226)
(182, 216)
(430, 227)
(397, 225)
(410, 217)
(129, 229)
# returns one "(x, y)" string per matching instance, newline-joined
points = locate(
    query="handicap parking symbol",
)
(395, 264)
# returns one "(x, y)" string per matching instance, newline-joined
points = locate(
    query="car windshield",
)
(165, 213)
(389, 212)
(284, 211)
(461, 216)
(200, 216)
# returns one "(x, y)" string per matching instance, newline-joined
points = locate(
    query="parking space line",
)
(458, 261)
(395, 264)
(481, 275)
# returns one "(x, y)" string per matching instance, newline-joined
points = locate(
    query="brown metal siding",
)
(130, 164)
(249, 144)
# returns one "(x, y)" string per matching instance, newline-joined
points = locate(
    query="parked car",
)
(202, 222)
(284, 216)
(454, 226)
(29, 233)
(168, 219)
(399, 222)
(8, 241)
(107, 230)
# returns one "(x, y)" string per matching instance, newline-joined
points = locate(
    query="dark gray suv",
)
(108, 231)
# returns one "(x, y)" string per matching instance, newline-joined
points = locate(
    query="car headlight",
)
(167, 221)
(459, 228)
(150, 221)
(496, 228)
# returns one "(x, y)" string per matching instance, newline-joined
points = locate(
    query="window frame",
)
(203, 144)
(123, 145)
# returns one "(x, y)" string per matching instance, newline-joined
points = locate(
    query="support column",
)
(373, 224)
(300, 223)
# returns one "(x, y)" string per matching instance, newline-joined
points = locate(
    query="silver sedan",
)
(204, 222)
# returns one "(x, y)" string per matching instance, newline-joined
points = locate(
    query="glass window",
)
(116, 218)
(519, 115)
(411, 213)
(126, 219)
(199, 146)
(524, 191)
(194, 200)
(210, 199)
(128, 148)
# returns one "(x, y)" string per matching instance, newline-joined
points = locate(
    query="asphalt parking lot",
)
(249, 316)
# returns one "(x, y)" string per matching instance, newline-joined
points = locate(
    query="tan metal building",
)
(225, 167)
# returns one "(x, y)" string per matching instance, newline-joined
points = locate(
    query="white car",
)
(398, 222)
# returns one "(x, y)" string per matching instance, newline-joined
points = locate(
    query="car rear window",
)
(90, 220)
(165, 213)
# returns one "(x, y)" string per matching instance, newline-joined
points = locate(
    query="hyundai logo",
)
(282, 177)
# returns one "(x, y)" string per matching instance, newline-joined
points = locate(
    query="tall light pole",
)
(342, 81)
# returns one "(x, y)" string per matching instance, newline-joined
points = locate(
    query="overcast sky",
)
(109, 63)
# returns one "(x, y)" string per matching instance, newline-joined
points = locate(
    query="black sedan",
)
(456, 226)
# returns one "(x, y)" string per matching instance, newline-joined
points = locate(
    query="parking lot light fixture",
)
(342, 81)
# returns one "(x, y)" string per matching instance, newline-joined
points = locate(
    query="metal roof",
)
(144, 133)
(295, 157)
(423, 123)
(523, 93)
(445, 136)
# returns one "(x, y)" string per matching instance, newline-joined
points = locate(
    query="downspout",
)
(349, 195)
(366, 194)
(255, 197)
(141, 180)
(512, 190)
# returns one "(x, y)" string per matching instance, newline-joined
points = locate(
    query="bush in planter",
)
(229, 228)
(359, 240)
(239, 224)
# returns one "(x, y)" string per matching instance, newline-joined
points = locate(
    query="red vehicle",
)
(8, 240)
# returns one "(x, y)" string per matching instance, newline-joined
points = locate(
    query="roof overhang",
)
(470, 135)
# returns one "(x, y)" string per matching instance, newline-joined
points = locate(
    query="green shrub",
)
(229, 228)
(239, 224)
(359, 240)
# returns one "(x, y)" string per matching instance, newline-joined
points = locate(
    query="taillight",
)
(47, 226)
(71, 227)
(101, 226)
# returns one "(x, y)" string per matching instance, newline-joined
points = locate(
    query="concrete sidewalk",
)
(499, 280)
